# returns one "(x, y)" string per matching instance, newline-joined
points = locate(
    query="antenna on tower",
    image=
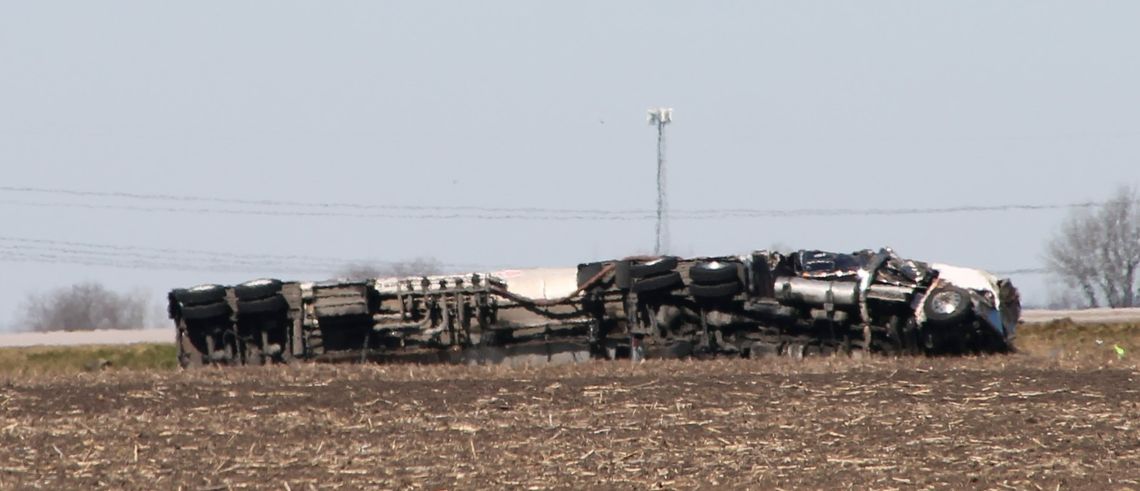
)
(660, 117)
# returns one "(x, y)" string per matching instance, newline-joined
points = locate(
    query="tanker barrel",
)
(816, 292)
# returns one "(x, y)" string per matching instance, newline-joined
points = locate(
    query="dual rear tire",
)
(713, 280)
(655, 276)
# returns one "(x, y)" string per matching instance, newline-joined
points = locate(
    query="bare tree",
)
(83, 307)
(419, 266)
(1098, 251)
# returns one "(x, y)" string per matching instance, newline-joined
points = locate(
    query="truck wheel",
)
(947, 304)
(257, 289)
(173, 305)
(667, 281)
(655, 267)
(208, 311)
(276, 303)
(714, 272)
(715, 291)
(201, 295)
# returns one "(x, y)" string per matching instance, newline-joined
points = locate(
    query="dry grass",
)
(73, 359)
(1065, 339)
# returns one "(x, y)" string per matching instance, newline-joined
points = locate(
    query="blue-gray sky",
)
(541, 104)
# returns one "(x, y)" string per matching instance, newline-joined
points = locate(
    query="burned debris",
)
(761, 304)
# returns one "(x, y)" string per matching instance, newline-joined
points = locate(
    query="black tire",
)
(667, 281)
(208, 311)
(173, 307)
(622, 279)
(940, 316)
(257, 289)
(587, 271)
(715, 291)
(714, 272)
(656, 267)
(273, 304)
(201, 295)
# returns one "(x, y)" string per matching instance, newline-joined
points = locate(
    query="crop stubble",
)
(1014, 421)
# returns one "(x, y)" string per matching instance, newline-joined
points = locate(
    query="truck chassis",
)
(807, 303)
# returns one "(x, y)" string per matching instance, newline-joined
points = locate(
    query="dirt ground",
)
(1014, 422)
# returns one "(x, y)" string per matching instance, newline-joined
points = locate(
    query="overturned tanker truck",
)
(755, 305)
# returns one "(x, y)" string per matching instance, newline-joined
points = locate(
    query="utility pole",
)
(660, 117)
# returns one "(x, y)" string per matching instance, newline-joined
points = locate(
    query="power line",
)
(586, 215)
(299, 213)
(301, 204)
(158, 265)
(1022, 271)
(105, 255)
(638, 213)
(23, 249)
(85, 260)
(48, 251)
(336, 261)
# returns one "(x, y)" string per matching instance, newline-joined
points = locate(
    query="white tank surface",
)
(969, 278)
(540, 283)
(535, 283)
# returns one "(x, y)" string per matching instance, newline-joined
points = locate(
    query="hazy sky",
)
(779, 105)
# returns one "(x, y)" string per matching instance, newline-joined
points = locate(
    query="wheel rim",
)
(946, 302)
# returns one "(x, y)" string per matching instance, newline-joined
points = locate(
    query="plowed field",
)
(1000, 422)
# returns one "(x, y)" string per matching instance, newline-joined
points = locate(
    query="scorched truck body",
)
(760, 304)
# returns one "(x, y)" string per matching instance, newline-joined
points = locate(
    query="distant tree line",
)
(83, 307)
(91, 305)
(1096, 252)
